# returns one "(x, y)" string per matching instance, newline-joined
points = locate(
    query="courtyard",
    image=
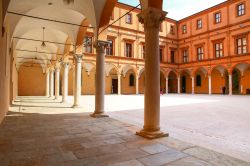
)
(215, 122)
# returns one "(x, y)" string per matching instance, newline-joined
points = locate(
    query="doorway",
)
(114, 89)
(183, 85)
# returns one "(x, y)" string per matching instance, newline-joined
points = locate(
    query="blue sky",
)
(178, 9)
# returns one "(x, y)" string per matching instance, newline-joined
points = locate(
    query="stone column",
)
(119, 84)
(57, 82)
(179, 84)
(166, 85)
(51, 82)
(65, 82)
(100, 79)
(137, 84)
(192, 84)
(77, 83)
(230, 84)
(47, 83)
(209, 85)
(152, 18)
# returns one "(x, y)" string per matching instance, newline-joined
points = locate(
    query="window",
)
(128, 50)
(128, 18)
(198, 80)
(200, 53)
(218, 49)
(241, 45)
(217, 17)
(131, 80)
(184, 29)
(172, 29)
(172, 57)
(161, 54)
(110, 48)
(199, 24)
(240, 9)
(185, 56)
(87, 44)
(143, 51)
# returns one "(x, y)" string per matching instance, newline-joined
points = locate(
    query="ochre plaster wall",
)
(31, 81)
(88, 82)
(126, 89)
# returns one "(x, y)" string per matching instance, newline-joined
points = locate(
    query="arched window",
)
(131, 80)
(198, 80)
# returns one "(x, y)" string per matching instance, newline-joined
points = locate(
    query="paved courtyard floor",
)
(42, 131)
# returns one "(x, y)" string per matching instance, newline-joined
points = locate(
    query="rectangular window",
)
(87, 44)
(143, 51)
(217, 17)
(218, 50)
(185, 56)
(172, 57)
(161, 54)
(128, 18)
(199, 24)
(241, 45)
(172, 29)
(184, 29)
(241, 9)
(128, 50)
(161, 27)
(200, 53)
(110, 48)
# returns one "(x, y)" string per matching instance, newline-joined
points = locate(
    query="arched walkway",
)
(219, 79)
(172, 82)
(201, 81)
(128, 83)
(185, 82)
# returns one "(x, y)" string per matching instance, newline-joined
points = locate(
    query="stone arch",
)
(172, 81)
(200, 80)
(185, 81)
(126, 68)
(109, 67)
(126, 87)
(219, 79)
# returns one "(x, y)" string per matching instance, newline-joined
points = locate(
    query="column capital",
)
(57, 68)
(101, 45)
(78, 58)
(65, 64)
(151, 17)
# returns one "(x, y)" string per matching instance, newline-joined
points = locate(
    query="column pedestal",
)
(100, 80)
(152, 18)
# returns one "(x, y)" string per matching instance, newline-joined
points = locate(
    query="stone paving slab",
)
(76, 139)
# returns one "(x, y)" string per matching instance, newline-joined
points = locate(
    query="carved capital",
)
(101, 45)
(151, 17)
(78, 58)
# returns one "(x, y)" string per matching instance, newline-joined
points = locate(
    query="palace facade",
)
(205, 53)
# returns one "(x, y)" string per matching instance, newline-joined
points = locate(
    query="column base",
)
(76, 106)
(99, 115)
(152, 134)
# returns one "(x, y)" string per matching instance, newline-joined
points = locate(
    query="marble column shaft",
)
(152, 18)
(47, 83)
(57, 82)
(77, 82)
(100, 79)
(65, 82)
(51, 82)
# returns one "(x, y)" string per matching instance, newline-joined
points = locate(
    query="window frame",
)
(200, 52)
(237, 9)
(90, 46)
(172, 59)
(184, 30)
(131, 18)
(198, 82)
(242, 44)
(161, 57)
(220, 41)
(199, 26)
(185, 55)
(132, 48)
(215, 18)
(172, 30)
(113, 46)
